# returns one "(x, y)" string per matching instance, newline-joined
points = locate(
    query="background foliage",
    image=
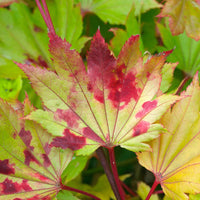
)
(162, 26)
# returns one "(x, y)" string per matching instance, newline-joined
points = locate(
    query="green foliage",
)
(72, 101)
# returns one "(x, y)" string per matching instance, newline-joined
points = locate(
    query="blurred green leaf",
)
(167, 76)
(77, 165)
(186, 50)
(63, 195)
(9, 89)
(143, 191)
(112, 11)
(194, 196)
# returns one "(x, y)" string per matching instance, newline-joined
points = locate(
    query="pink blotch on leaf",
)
(67, 115)
(129, 90)
(140, 128)
(146, 108)
(42, 178)
(6, 168)
(29, 157)
(47, 162)
(69, 140)
(10, 187)
(89, 133)
(123, 89)
(26, 138)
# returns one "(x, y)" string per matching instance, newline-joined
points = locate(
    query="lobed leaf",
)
(30, 167)
(175, 156)
(186, 50)
(107, 104)
(183, 15)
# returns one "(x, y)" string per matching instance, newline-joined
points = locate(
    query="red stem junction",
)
(155, 184)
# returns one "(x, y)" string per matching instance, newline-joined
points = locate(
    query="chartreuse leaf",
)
(167, 76)
(74, 168)
(186, 50)
(23, 34)
(21, 39)
(145, 27)
(121, 36)
(175, 156)
(30, 167)
(115, 11)
(143, 191)
(102, 188)
(183, 15)
(67, 21)
(63, 195)
(9, 89)
(107, 105)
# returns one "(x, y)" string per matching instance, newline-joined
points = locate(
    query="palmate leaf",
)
(186, 51)
(175, 156)
(111, 103)
(183, 15)
(30, 168)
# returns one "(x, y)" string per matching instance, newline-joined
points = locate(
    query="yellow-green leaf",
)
(175, 156)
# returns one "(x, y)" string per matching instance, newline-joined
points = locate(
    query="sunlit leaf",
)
(30, 168)
(107, 105)
(175, 156)
(183, 15)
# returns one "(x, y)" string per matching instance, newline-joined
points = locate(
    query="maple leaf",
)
(30, 168)
(111, 103)
(175, 156)
(183, 15)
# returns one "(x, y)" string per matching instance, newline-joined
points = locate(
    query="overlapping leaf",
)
(175, 156)
(23, 34)
(186, 51)
(183, 15)
(115, 11)
(30, 167)
(112, 103)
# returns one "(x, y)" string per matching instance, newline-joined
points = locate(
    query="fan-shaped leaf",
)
(110, 103)
(30, 167)
(175, 156)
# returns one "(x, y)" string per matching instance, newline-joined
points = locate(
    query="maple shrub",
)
(81, 118)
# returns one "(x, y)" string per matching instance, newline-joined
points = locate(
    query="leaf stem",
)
(128, 189)
(184, 81)
(64, 187)
(155, 184)
(102, 158)
(115, 173)
(45, 15)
